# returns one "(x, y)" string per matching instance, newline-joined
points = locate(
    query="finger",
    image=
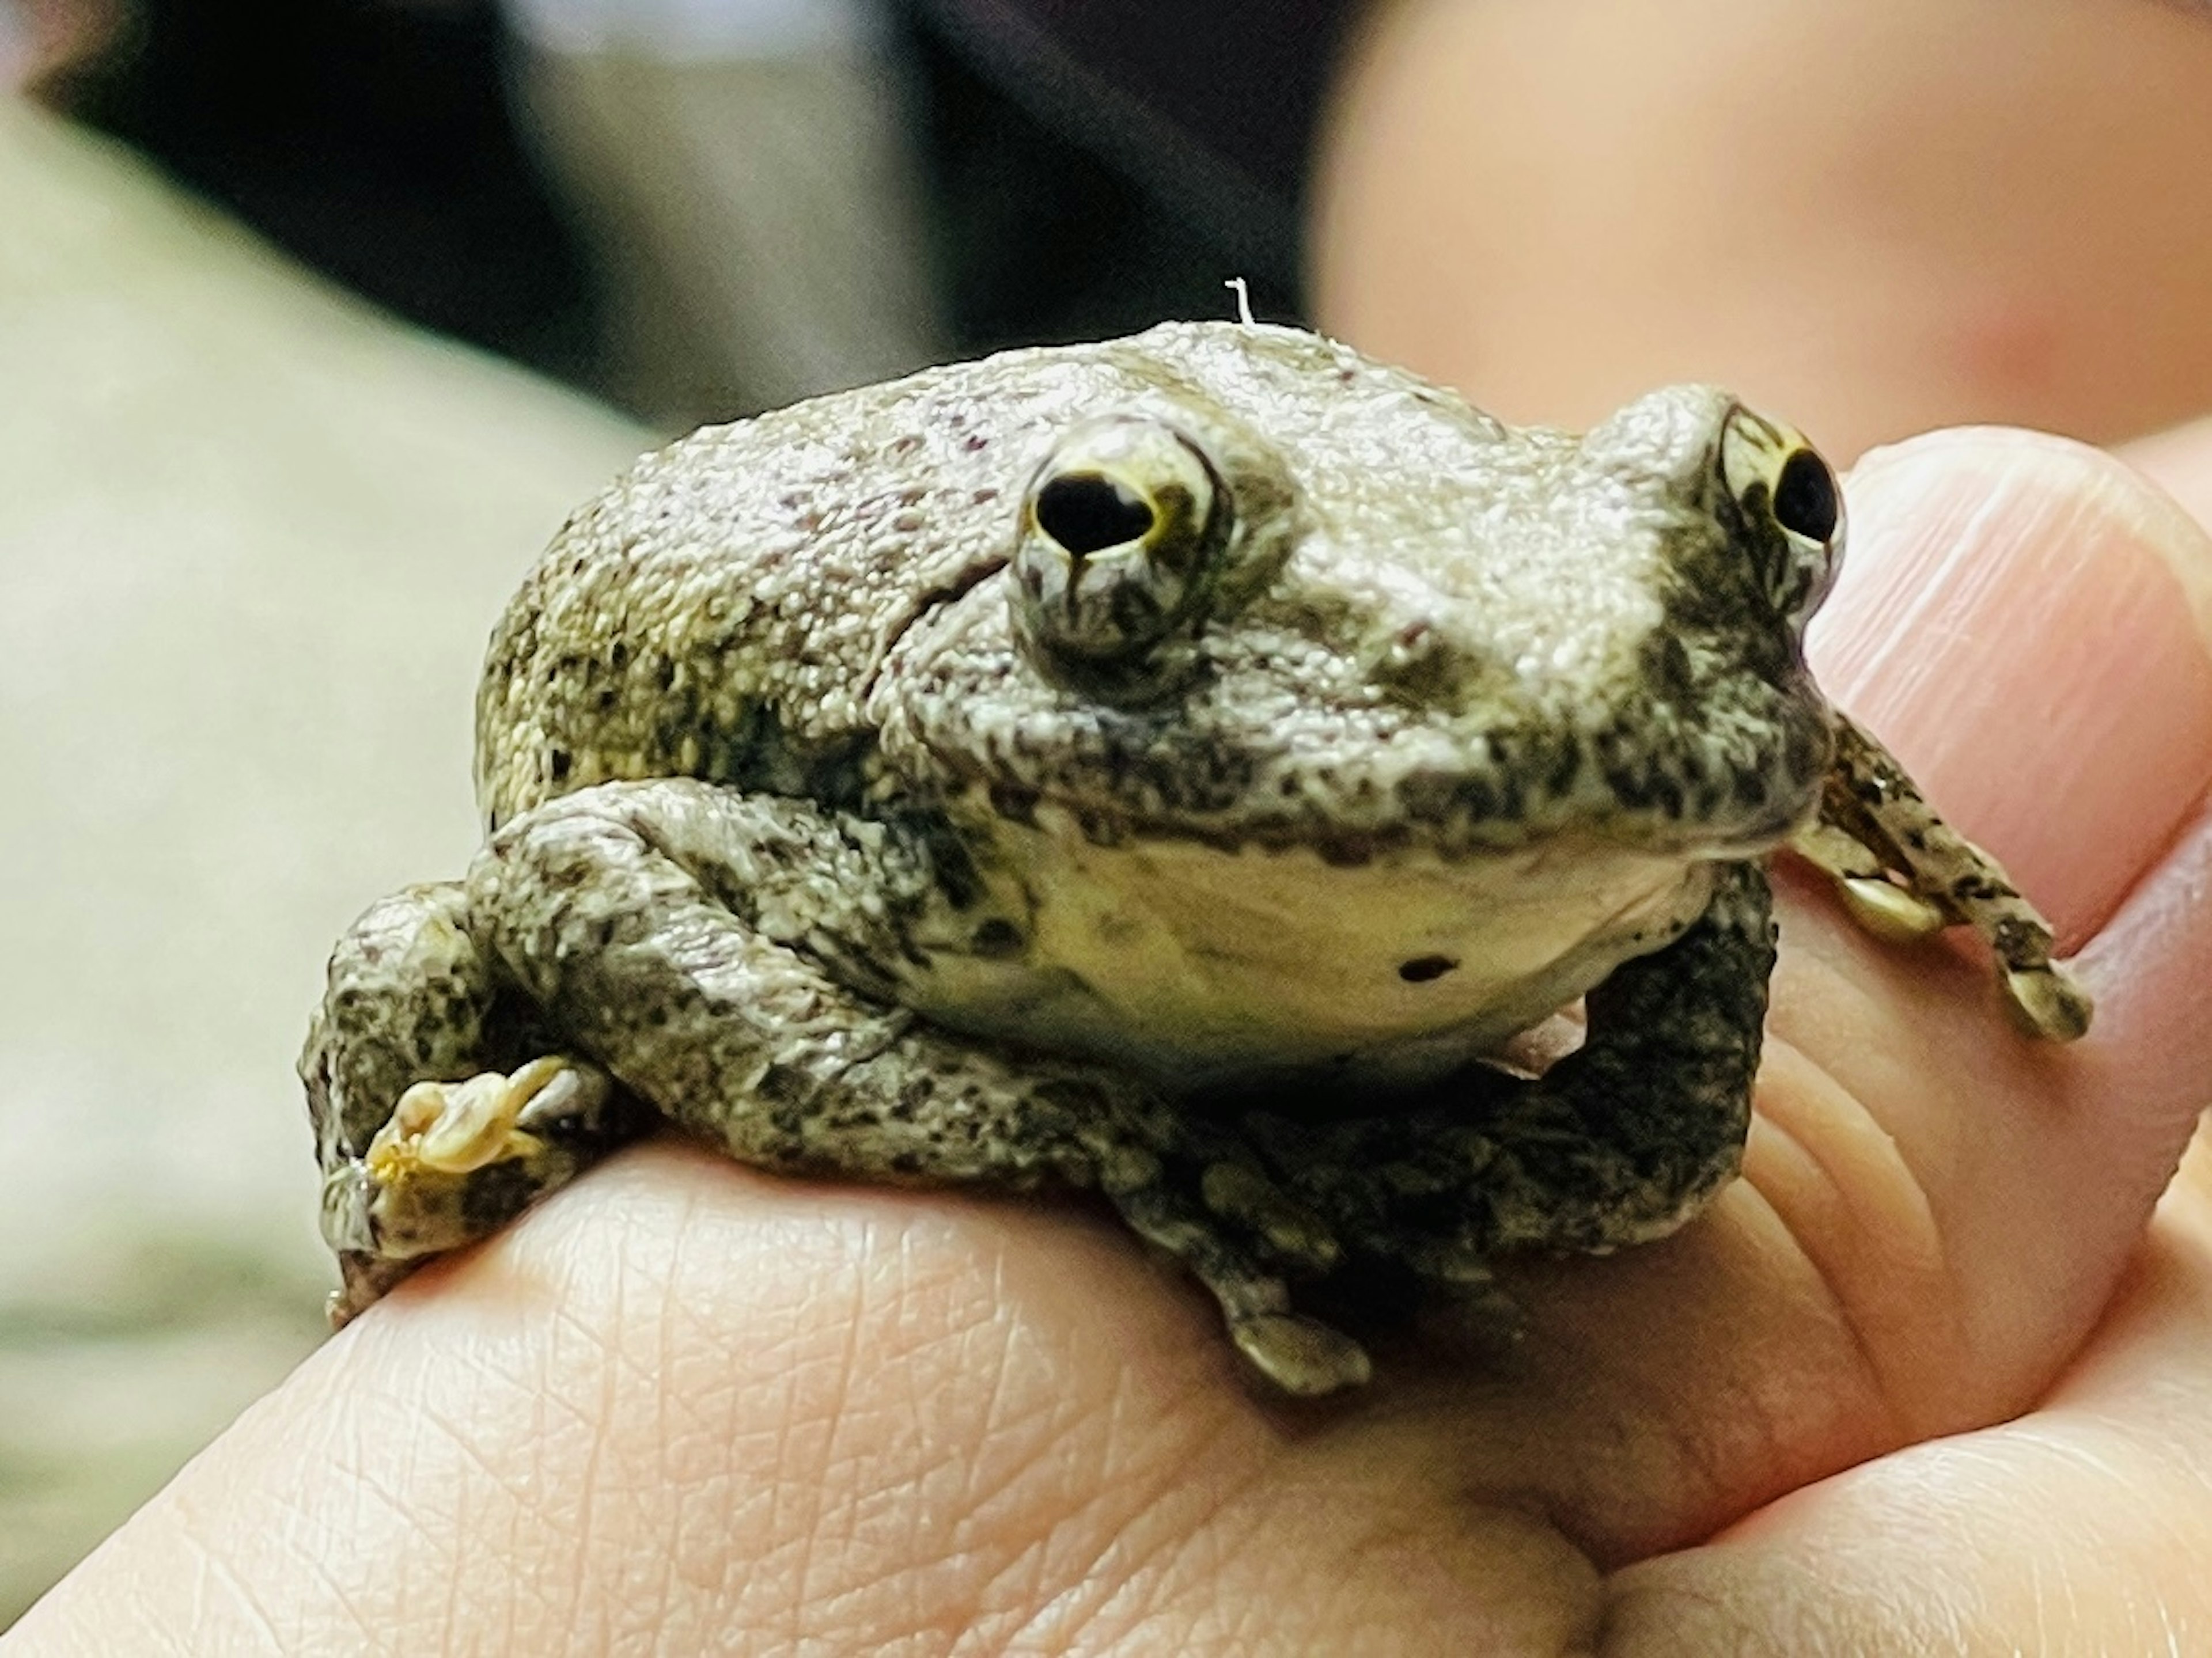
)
(2081, 1528)
(2023, 623)
(2035, 641)
(2032, 631)
(2180, 463)
(1934, 1209)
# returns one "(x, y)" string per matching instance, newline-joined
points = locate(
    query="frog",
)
(1211, 770)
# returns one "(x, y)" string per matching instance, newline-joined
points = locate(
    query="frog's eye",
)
(1089, 513)
(1782, 486)
(1807, 501)
(1120, 532)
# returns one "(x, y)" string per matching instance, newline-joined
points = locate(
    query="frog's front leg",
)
(438, 1114)
(1902, 871)
(729, 958)
(1620, 1141)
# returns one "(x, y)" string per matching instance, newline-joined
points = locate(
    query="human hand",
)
(682, 1407)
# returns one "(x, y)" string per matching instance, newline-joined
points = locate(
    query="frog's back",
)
(722, 609)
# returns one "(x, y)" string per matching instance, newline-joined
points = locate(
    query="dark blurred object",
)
(1041, 237)
(746, 177)
(1082, 170)
(370, 138)
(1128, 153)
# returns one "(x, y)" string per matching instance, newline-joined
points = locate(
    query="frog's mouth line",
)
(1008, 750)
(1464, 840)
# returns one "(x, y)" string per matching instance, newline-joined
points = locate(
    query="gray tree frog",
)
(1175, 766)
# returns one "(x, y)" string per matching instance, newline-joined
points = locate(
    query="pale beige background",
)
(251, 537)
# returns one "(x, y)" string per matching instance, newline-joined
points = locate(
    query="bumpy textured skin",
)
(797, 831)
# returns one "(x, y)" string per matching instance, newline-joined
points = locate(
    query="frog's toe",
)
(1302, 1356)
(457, 1128)
(1298, 1354)
(1889, 911)
(457, 1161)
(1456, 1264)
(1240, 1193)
(2048, 1001)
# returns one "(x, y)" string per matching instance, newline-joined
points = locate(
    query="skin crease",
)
(1923, 1381)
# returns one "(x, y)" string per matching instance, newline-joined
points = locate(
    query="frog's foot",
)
(1903, 872)
(1301, 1356)
(457, 1160)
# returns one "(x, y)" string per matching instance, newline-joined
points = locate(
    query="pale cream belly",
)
(1198, 966)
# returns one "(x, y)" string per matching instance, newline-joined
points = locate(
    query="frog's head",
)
(1289, 597)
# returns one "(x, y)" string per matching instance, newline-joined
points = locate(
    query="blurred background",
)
(316, 316)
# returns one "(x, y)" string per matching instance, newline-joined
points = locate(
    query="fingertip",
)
(2027, 623)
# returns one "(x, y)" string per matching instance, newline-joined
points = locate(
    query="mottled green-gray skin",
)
(797, 832)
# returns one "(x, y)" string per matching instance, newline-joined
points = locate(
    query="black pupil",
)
(1089, 512)
(1805, 497)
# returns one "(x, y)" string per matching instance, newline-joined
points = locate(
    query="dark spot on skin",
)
(1013, 803)
(557, 762)
(1566, 766)
(1346, 851)
(996, 937)
(781, 1084)
(974, 443)
(907, 445)
(1422, 969)
(620, 655)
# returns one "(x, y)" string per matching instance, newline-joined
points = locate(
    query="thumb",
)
(2029, 626)
(1936, 1209)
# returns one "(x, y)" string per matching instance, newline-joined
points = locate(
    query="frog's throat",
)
(1199, 967)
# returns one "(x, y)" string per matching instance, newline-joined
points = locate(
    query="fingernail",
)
(2028, 623)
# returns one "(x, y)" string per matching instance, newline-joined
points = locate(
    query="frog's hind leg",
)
(1621, 1141)
(1904, 871)
(431, 1127)
(705, 945)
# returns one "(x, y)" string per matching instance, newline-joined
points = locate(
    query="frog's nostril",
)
(1422, 969)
